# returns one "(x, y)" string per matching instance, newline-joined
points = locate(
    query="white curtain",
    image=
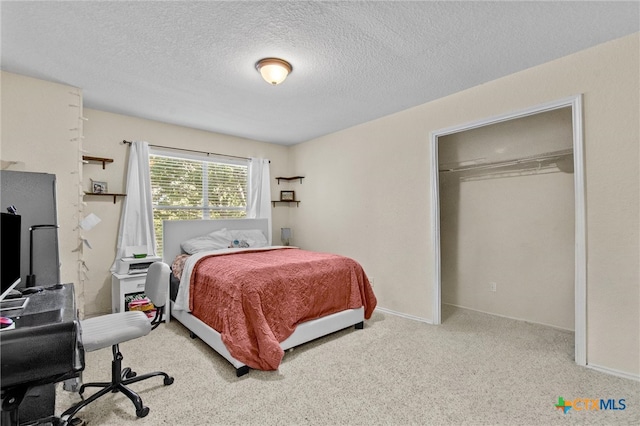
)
(259, 203)
(136, 221)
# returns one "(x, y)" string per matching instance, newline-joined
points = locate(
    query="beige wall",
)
(367, 192)
(41, 128)
(517, 232)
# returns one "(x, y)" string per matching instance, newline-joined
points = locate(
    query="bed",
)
(268, 299)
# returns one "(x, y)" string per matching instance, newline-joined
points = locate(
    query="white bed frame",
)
(176, 231)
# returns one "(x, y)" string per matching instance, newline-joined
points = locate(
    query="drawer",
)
(133, 283)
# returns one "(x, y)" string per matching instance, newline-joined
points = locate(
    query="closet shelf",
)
(531, 162)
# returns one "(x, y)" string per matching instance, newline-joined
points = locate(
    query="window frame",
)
(205, 209)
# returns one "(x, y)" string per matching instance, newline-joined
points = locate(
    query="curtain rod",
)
(191, 150)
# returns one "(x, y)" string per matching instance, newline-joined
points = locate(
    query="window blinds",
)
(191, 187)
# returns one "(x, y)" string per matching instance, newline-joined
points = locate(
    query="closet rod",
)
(497, 164)
(191, 150)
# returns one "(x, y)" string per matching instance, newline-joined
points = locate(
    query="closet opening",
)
(508, 218)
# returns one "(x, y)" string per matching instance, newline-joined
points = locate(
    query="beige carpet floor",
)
(474, 369)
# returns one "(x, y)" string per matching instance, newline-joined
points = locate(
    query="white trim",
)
(436, 313)
(580, 236)
(400, 314)
(614, 372)
(547, 106)
(575, 102)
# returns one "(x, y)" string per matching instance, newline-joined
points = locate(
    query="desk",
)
(43, 348)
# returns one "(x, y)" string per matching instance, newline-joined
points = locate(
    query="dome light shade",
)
(273, 70)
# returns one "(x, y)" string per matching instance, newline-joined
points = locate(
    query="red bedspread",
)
(255, 300)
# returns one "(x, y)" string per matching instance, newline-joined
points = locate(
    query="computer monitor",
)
(10, 236)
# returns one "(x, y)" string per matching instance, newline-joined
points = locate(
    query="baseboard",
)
(512, 318)
(400, 314)
(614, 372)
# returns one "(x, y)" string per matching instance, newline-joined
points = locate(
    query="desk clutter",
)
(7, 323)
(39, 346)
(139, 302)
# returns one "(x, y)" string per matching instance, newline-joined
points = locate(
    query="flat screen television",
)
(10, 234)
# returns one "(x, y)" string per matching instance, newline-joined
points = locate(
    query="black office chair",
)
(113, 329)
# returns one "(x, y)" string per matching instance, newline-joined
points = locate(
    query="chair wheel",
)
(168, 381)
(143, 412)
(130, 374)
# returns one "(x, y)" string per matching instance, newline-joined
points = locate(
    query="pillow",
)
(221, 237)
(214, 241)
(254, 237)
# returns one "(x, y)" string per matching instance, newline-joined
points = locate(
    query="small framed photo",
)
(287, 196)
(98, 187)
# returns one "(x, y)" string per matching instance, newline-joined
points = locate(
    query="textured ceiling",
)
(192, 63)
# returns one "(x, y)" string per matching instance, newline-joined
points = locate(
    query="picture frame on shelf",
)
(99, 187)
(287, 196)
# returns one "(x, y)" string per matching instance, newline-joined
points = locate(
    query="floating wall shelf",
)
(105, 194)
(279, 178)
(102, 160)
(273, 203)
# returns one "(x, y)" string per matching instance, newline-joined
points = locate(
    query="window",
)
(191, 187)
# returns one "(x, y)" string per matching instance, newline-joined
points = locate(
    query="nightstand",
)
(125, 287)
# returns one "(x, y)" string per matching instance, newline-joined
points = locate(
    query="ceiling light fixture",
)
(273, 70)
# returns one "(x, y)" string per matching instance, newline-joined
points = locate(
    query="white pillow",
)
(214, 241)
(221, 237)
(254, 237)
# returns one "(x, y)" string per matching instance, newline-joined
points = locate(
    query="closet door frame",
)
(580, 282)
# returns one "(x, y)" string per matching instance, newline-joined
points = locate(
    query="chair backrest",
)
(156, 285)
